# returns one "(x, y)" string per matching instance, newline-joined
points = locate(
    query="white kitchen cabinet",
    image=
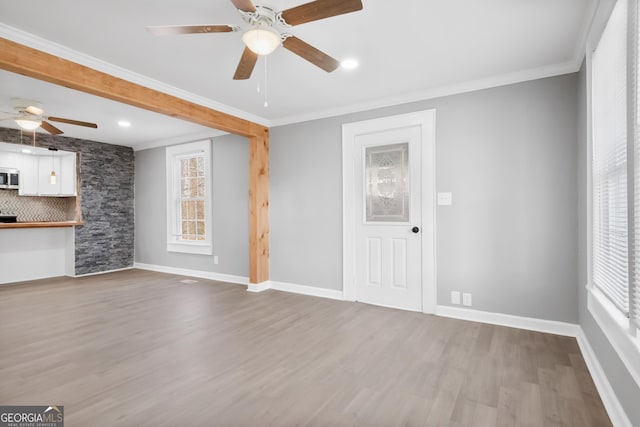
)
(28, 176)
(35, 165)
(68, 175)
(10, 160)
(64, 166)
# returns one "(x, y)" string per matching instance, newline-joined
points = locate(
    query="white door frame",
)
(427, 121)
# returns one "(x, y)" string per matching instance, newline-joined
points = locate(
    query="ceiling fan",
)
(268, 29)
(29, 115)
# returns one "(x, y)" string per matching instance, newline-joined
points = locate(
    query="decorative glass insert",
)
(192, 196)
(386, 183)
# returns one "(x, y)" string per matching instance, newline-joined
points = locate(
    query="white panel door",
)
(387, 200)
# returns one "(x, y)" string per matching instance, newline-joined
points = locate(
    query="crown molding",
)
(437, 92)
(39, 43)
(585, 30)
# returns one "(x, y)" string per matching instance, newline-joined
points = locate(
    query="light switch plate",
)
(445, 199)
(215, 259)
(455, 297)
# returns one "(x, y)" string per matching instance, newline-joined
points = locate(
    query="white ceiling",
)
(408, 50)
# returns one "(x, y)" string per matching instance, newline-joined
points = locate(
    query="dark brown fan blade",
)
(244, 5)
(72, 122)
(320, 9)
(245, 67)
(311, 54)
(50, 128)
(170, 30)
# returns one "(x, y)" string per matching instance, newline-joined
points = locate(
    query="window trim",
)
(173, 154)
(617, 328)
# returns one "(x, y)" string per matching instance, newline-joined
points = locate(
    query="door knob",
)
(415, 229)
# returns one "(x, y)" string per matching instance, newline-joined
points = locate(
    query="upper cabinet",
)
(63, 181)
(36, 169)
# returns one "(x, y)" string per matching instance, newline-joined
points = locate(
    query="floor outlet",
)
(466, 299)
(455, 297)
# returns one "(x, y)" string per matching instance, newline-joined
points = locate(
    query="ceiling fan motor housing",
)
(29, 106)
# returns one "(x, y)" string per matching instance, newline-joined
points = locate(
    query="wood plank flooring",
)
(138, 348)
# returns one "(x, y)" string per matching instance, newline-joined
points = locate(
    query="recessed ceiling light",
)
(349, 64)
(124, 124)
(26, 151)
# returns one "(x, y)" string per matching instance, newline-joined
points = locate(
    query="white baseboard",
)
(528, 323)
(307, 290)
(258, 287)
(609, 399)
(194, 273)
(102, 272)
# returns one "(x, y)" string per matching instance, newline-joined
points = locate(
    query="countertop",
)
(40, 224)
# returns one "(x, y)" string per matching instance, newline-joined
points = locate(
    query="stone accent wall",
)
(106, 240)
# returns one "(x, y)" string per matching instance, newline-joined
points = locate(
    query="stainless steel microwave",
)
(9, 178)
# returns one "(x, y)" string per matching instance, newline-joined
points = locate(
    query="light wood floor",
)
(138, 348)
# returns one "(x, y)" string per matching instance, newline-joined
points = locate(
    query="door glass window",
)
(387, 185)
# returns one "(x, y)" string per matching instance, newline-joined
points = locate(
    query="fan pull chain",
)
(266, 102)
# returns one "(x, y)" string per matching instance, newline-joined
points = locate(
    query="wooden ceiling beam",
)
(34, 63)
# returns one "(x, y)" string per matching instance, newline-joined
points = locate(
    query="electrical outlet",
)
(466, 299)
(455, 297)
(215, 259)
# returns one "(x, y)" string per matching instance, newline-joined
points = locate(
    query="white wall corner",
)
(609, 399)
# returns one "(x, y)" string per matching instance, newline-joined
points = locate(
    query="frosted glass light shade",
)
(28, 124)
(262, 41)
(52, 178)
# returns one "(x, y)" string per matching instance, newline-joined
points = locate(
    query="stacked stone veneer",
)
(105, 241)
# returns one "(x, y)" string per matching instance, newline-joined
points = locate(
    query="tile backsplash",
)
(30, 208)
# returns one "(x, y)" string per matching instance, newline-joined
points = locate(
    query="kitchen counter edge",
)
(40, 224)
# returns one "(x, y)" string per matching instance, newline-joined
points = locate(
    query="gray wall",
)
(106, 240)
(230, 176)
(507, 154)
(623, 385)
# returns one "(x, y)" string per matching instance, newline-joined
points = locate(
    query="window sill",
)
(616, 328)
(190, 248)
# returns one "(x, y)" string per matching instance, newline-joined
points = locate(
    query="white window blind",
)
(609, 168)
(634, 308)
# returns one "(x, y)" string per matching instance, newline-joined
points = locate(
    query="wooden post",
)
(259, 207)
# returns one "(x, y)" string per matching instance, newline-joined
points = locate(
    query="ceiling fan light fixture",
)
(28, 123)
(261, 40)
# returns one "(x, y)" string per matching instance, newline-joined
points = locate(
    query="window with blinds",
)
(634, 294)
(610, 272)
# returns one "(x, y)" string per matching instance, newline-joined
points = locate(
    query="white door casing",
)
(384, 261)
